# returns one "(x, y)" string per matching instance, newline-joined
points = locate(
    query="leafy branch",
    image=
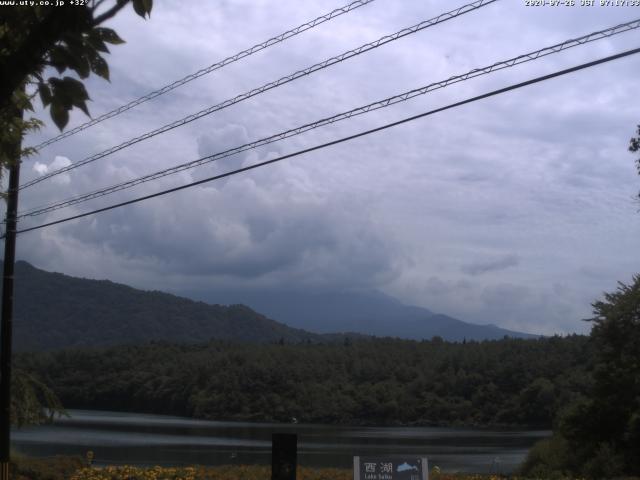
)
(35, 39)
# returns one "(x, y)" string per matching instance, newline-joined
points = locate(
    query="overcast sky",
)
(517, 210)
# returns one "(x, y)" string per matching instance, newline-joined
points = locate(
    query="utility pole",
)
(7, 308)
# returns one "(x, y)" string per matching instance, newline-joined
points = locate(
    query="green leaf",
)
(77, 54)
(59, 58)
(82, 105)
(28, 105)
(59, 93)
(73, 57)
(99, 66)
(77, 93)
(60, 115)
(74, 41)
(69, 93)
(108, 35)
(82, 66)
(138, 6)
(75, 88)
(143, 7)
(45, 94)
(96, 42)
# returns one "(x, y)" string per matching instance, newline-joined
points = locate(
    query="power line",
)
(268, 86)
(342, 116)
(343, 139)
(216, 66)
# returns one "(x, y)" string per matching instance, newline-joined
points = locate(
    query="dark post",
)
(284, 456)
(7, 315)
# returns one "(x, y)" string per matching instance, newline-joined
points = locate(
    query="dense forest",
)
(378, 381)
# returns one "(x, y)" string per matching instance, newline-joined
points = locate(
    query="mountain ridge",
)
(366, 312)
(79, 312)
(76, 312)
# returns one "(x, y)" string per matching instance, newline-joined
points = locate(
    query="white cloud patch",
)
(40, 168)
(57, 163)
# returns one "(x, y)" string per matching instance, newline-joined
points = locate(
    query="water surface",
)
(142, 439)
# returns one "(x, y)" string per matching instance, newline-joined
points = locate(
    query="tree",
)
(32, 402)
(64, 38)
(611, 416)
(35, 40)
(598, 436)
(634, 146)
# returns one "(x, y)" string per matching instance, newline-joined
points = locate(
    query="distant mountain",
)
(53, 311)
(369, 313)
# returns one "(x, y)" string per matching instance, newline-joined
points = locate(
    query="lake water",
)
(117, 438)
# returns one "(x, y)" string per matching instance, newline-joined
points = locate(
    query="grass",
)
(53, 468)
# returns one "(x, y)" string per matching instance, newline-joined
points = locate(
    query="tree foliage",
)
(609, 419)
(634, 147)
(35, 40)
(14, 128)
(602, 429)
(32, 402)
(374, 382)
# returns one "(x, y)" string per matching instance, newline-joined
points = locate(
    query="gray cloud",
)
(541, 171)
(478, 268)
(272, 228)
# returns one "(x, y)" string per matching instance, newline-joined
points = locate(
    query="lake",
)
(117, 438)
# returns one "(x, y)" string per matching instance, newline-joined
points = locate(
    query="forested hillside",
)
(380, 381)
(367, 312)
(53, 310)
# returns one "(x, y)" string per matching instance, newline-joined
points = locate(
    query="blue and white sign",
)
(390, 468)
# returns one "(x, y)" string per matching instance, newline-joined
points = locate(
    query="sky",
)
(518, 210)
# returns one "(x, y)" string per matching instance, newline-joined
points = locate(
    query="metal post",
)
(284, 456)
(7, 316)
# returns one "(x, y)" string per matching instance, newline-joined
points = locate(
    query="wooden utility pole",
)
(7, 310)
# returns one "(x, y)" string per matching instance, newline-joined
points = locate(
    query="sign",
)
(390, 468)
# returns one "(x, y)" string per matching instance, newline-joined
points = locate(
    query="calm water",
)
(162, 440)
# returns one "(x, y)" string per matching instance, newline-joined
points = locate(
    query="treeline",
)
(598, 435)
(379, 381)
